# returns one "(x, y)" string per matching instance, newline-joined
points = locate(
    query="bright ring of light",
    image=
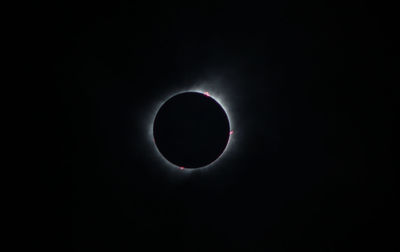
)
(221, 101)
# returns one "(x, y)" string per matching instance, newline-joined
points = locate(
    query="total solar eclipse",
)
(191, 130)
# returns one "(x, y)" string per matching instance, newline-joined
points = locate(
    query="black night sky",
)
(308, 86)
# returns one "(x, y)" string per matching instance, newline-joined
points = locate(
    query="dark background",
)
(310, 88)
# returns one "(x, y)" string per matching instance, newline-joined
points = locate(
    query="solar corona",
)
(191, 130)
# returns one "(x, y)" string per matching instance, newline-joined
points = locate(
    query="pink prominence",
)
(207, 94)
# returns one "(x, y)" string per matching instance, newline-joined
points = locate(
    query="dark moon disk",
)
(191, 130)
